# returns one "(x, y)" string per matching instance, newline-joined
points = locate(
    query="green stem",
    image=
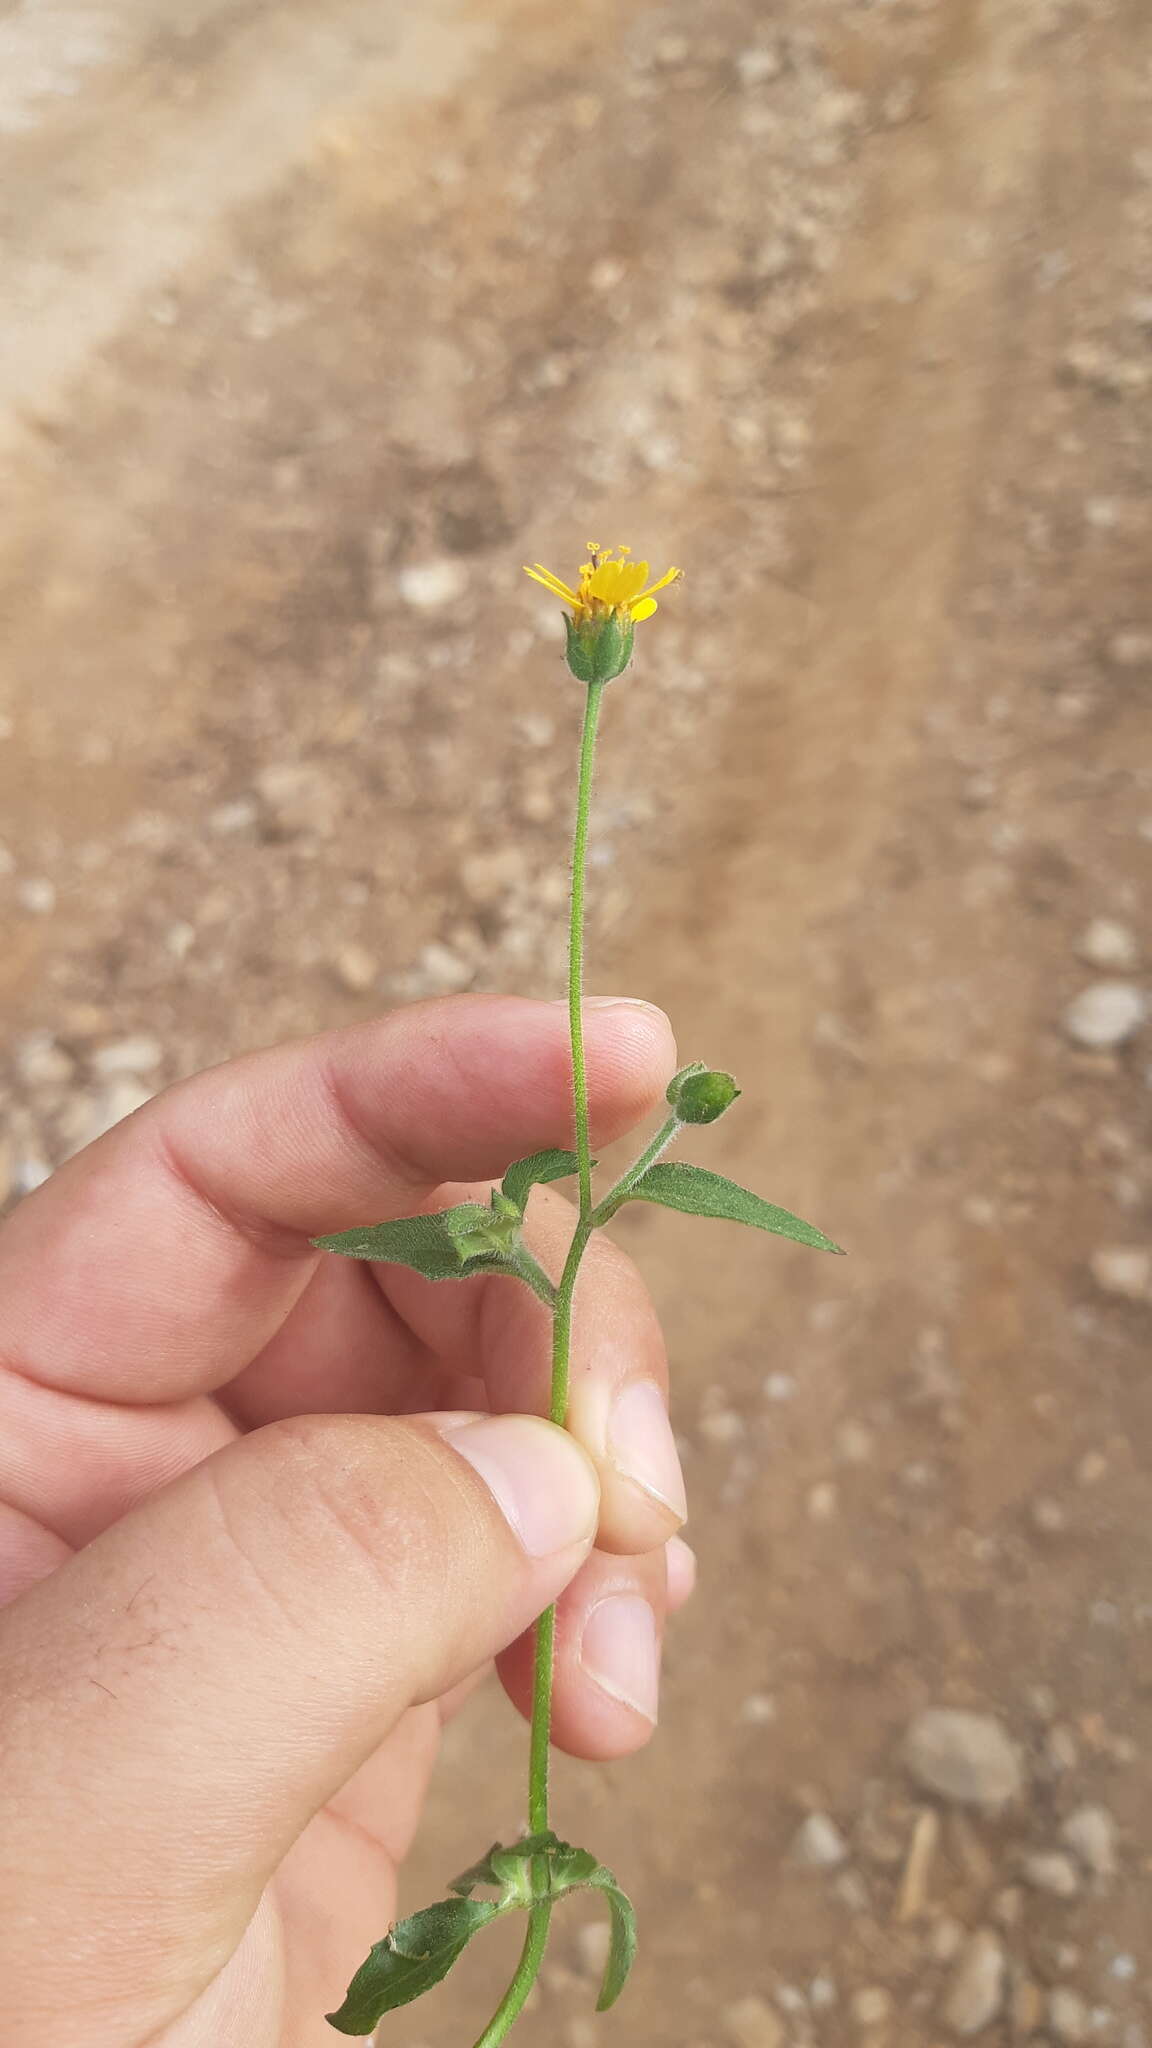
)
(541, 1732)
(665, 1136)
(527, 1970)
(576, 944)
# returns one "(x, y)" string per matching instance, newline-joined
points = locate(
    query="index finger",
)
(160, 1260)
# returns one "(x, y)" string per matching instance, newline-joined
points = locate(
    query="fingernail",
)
(642, 1447)
(542, 1482)
(620, 1651)
(680, 1566)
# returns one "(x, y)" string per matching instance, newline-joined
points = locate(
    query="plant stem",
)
(665, 1136)
(576, 947)
(527, 1970)
(539, 1745)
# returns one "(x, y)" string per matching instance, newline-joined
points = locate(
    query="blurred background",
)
(318, 321)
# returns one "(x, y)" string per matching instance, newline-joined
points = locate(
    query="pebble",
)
(1050, 1870)
(1124, 1270)
(975, 1990)
(963, 1756)
(139, 1055)
(237, 816)
(356, 968)
(751, 2023)
(300, 796)
(438, 972)
(756, 66)
(945, 1939)
(180, 938)
(818, 1843)
(871, 2005)
(822, 1501)
(1131, 648)
(1008, 1906)
(822, 1992)
(1068, 2015)
(1090, 1833)
(1109, 946)
(1047, 1515)
(759, 1710)
(779, 1386)
(852, 1891)
(1105, 1014)
(428, 585)
(42, 1063)
(37, 895)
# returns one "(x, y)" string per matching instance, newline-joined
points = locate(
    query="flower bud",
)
(699, 1095)
(599, 645)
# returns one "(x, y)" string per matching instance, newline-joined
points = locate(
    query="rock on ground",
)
(963, 1756)
(975, 1990)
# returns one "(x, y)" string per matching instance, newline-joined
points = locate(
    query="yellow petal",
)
(669, 576)
(643, 609)
(541, 575)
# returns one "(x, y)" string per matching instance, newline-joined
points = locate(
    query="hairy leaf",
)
(413, 1957)
(697, 1192)
(622, 1948)
(525, 1174)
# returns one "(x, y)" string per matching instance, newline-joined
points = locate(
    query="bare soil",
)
(319, 321)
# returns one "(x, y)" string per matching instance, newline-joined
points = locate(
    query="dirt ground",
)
(319, 320)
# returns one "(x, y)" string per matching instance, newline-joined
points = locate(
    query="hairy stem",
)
(665, 1136)
(541, 1733)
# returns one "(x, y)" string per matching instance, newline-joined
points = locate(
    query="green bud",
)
(699, 1095)
(599, 646)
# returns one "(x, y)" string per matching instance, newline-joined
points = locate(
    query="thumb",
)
(182, 1695)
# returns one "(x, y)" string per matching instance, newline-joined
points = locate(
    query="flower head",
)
(611, 598)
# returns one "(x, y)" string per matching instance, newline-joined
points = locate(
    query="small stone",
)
(1124, 1270)
(963, 1756)
(1060, 1749)
(180, 939)
(759, 1710)
(606, 274)
(818, 1844)
(871, 2006)
(592, 1945)
(945, 1939)
(237, 816)
(1048, 1516)
(822, 1501)
(975, 1990)
(1008, 1906)
(1109, 946)
(779, 1386)
(1104, 1015)
(429, 585)
(790, 1999)
(137, 1055)
(1049, 1870)
(1131, 648)
(42, 1063)
(1068, 2015)
(822, 1992)
(852, 1891)
(37, 895)
(722, 1426)
(356, 968)
(439, 972)
(1091, 1468)
(1090, 1833)
(301, 798)
(751, 2023)
(757, 65)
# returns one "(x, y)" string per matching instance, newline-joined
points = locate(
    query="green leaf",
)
(540, 1166)
(697, 1192)
(422, 1242)
(414, 1956)
(622, 1948)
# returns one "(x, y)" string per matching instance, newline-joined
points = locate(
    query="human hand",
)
(257, 1534)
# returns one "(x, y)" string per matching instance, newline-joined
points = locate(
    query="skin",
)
(259, 1533)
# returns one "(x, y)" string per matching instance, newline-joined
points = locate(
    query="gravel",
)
(1050, 1870)
(1090, 1833)
(1124, 1270)
(1104, 1015)
(818, 1844)
(871, 2006)
(1109, 946)
(1068, 2015)
(751, 2023)
(975, 1990)
(964, 1757)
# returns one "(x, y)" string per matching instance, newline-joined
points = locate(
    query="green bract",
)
(699, 1095)
(599, 647)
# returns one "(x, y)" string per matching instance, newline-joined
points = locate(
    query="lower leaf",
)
(415, 1955)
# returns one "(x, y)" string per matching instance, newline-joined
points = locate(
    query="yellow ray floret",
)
(609, 582)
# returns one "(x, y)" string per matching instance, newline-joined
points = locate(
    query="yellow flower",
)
(607, 586)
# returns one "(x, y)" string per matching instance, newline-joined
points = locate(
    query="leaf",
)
(567, 1868)
(526, 1174)
(697, 1192)
(622, 1948)
(414, 1956)
(429, 1244)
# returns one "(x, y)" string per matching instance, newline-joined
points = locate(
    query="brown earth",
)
(319, 321)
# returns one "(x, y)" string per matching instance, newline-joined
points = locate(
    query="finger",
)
(193, 1686)
(609, 1627)
(161, 1259)
(619, 1368)
(680, 1560)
